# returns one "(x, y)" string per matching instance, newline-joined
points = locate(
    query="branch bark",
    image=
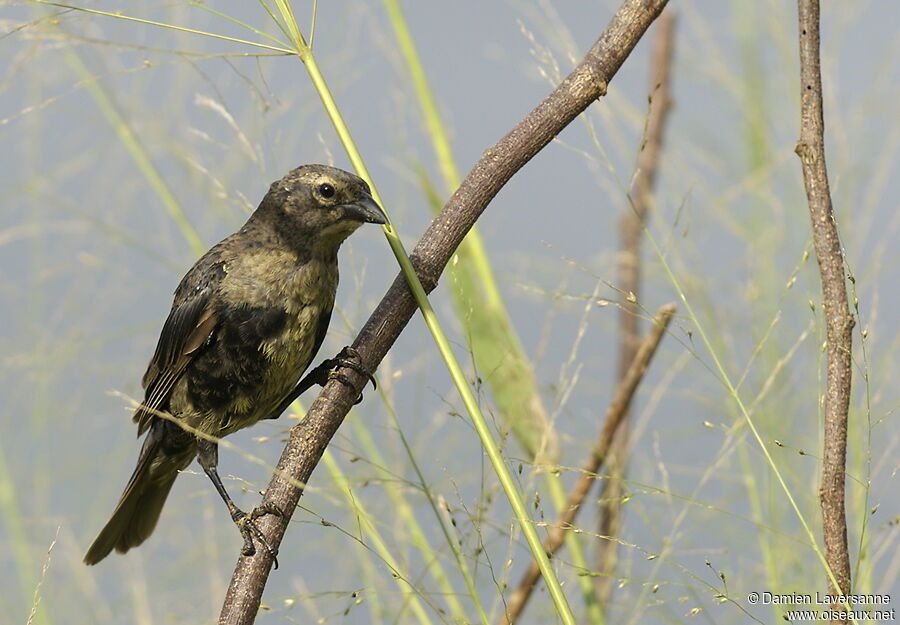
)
(308, 439)
(615, 414)
(631, 227)
(838, 320)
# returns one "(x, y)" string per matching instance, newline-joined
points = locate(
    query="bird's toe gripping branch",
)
(348, 358)
(247, 526)
(330, 369)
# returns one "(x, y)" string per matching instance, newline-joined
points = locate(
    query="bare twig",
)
(615, 414)
(838, 320)
(630, 229)
(498, 164)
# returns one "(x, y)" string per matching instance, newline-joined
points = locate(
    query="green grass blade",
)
(493, 451)
(735, 395)
(183, 29)
(372, 536)
(18, 540)
(404, 513)
(496, 348)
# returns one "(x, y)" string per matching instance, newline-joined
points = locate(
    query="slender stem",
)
(494, 453)
(404, 512)
(839, 321)
(615, 415)
(492, 339)
(183, 29)
(368, 529)
(742, 407)
(631, 226)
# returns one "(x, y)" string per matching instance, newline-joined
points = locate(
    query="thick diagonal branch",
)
(498, 164)
(838, 320)
(615, 414)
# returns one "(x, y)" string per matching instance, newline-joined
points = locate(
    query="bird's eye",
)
(326, 190)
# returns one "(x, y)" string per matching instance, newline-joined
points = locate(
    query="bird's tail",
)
(141, 503)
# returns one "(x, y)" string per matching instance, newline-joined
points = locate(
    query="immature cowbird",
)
(247, 320)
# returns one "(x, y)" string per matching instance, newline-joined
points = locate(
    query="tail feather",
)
(138, 510)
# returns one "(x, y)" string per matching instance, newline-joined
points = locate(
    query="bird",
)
(246, 322)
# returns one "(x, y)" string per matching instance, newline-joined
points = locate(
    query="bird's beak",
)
(365, 210)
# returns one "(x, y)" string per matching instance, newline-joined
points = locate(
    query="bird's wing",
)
(188, 327)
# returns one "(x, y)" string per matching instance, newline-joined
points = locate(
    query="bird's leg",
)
(328, 369)
(208, 457)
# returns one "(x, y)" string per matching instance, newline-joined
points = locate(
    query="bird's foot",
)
(246, 523)
(327, 370)
(349, 358)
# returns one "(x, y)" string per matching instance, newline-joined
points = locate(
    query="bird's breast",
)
(303, 296)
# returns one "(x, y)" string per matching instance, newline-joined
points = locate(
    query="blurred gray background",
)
(90, 257)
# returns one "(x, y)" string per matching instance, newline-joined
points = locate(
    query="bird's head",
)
(317, 207)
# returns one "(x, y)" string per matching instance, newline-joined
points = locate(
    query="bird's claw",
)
(351, 359)
(246, 524)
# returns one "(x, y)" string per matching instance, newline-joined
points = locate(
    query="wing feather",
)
(187, 329)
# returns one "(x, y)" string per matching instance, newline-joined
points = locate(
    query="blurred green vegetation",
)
(135, 147)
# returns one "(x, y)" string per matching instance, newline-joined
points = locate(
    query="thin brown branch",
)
(631, 226)
(498, 164)
(838, 320)
(615, 414)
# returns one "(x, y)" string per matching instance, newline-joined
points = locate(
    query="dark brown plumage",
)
(247, 320)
